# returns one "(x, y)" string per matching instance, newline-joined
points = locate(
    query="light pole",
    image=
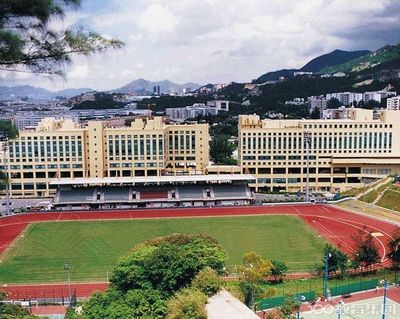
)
(385, 288)
(340, 309)
(301, 300)
(5, 149)
(326, 258)
(67, 268)
(307, 140)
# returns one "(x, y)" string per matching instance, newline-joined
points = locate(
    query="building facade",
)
(393, 103)
(62, 148)
(343, 153)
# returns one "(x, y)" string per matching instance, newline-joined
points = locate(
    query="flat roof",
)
(366, 160)
(154, 179)
(224, 306)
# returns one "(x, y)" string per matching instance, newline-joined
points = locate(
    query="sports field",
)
(93, 247)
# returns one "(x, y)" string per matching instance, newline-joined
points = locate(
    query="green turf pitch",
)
(92, 248)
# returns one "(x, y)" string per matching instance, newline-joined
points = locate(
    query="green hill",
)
(315, 65)
(371, 60)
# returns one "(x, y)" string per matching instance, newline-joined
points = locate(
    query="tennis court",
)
(368, 308)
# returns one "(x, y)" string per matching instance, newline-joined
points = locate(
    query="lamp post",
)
(326, 258)
(301, 300)
(385, 288)
(67, 268)
(307, 140)
(5, 149)
(339, 309)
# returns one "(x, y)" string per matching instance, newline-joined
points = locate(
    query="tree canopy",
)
(10, 311)
(252, 272)
(394, 251)
(337, 261)
(366, 253)
(168, 263)
(164, 277)
(29, 44)
(7, 129)
(221, 150)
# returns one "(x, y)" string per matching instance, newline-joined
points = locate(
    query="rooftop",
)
(224, 306)
(218, 178)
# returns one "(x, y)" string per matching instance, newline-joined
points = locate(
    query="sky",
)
(216, 41)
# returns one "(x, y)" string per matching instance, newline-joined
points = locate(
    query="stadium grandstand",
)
(153, 192)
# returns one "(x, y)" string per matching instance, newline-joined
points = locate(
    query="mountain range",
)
(36, 93)
(139, 86)
(317, 64)
(142, 86)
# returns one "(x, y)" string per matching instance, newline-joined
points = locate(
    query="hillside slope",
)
(315, 65)
(383, 55)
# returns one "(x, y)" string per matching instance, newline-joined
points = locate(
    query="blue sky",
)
(217, 40)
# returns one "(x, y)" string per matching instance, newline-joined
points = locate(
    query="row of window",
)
(182, 141)
(135, 147)
(336, 180)
(45, 149)
(364, 141)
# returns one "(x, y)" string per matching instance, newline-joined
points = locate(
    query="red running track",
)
(332, 223)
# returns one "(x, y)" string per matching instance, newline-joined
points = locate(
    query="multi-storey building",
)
(393, 103)
(346, 98)
(343, 153)
(62, 148)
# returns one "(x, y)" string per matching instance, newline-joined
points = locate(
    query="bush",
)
(187, 304)
(207, 281)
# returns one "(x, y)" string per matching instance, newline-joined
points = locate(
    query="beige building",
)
(63, 149)
(343, 153)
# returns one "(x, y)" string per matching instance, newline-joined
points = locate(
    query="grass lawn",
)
(390, 199)
(92, 248)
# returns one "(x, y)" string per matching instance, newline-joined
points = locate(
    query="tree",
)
(28, 44)
(187, 304)
(372, 104)
(10, 311)
(279, 269)
(221, 150)
(366, 252)
(252, 273)
(394, 251)
(7, 130)
(316, 113)
(288, 308)
(168, 263)
(333, 103)
(207, 281)
(337, 261)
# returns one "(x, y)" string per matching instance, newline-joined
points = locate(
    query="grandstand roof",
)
(218, 178)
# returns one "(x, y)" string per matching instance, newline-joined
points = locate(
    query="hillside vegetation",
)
(387, 53)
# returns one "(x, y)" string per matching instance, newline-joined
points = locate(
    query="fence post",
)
(348, 285)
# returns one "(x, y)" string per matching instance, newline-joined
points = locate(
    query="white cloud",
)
(79, 71)
(157, 19)
(226, 40)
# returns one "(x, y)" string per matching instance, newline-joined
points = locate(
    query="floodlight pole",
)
(5, 149)
(307, 140)
(326, 258)
(339, 309)
(67, 268)
(385, 288)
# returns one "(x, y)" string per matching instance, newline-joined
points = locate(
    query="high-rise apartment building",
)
(62, 148)
(393, 103)
(343, 153)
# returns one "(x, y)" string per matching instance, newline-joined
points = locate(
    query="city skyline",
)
(216, 41)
